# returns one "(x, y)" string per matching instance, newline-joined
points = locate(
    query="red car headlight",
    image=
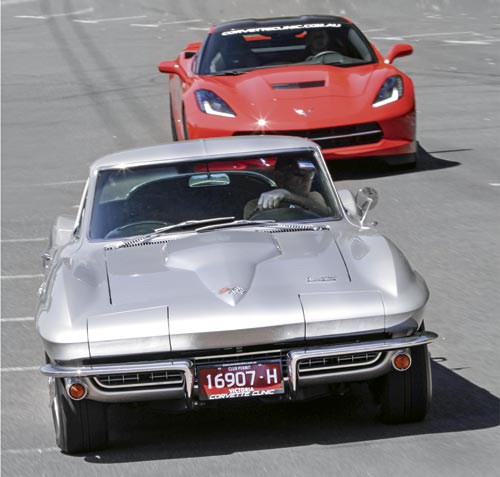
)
(210, 103)
(391, 91)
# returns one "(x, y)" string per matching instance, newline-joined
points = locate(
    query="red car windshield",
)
(235, 51)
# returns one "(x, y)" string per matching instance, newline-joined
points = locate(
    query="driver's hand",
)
(272, 199)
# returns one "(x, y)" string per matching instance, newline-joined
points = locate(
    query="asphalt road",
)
(79, 80)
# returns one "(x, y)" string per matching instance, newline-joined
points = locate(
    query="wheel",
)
(324, 54)
(284, 212)
(175, 137)
(405, 396)
(80, 426)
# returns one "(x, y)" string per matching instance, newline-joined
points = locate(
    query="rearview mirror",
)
(397, 51)
(209, 180)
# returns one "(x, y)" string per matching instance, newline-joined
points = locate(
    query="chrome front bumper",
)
(186, 389)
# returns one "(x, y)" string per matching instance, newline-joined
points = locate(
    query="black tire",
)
(80, 426)
(184, 125)
(172, 123)
(405, 396)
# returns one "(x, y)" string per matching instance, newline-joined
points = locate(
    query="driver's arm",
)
(313, 202)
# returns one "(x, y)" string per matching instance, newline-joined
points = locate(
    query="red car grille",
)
(329, 138)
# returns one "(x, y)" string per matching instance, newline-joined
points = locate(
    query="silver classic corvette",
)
(219, 269)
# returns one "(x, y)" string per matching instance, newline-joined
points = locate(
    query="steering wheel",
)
(284, 212)
(321, 54)
(135, 228)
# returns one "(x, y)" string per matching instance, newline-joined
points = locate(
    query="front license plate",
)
(240, 380)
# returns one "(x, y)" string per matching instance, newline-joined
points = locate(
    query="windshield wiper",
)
(236, 223)
(168, 228)
(230, 73)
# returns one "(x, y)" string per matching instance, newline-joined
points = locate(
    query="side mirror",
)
(397, 51)
(348, 202)
(172, 67)
(63, 230)
(61, 234)
(366, 199)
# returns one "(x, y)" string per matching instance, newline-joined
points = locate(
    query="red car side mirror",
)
(398, 50)
(172, 67)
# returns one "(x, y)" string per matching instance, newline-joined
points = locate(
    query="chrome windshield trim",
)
(294, 356)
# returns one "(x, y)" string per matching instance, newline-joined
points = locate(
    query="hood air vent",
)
(305, 84)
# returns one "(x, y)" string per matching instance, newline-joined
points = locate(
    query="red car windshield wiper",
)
(230, 73)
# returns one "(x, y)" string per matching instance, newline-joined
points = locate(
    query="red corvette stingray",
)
(311, 76)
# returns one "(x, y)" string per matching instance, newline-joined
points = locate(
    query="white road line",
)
(20, 318)
(55, 15)
(198, 28)
(494, 184)
(440, 34)
(20, 369)
(20, 277)
(470, 42)
(421, 35)
(101, 20)
(6, 3)
(390, 38)
(182, 21)
(36, 239)
(46, 184)
(159, 24)
(39, 450)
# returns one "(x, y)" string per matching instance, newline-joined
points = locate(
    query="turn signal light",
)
(401, 362)
(77, 391)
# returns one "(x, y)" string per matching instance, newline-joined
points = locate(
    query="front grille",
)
(329, 364)
(137, 380)
(329, 138)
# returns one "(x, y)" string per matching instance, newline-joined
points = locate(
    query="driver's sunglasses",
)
(297, 171)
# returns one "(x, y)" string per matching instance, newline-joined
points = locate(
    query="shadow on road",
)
(367, 168)
(143, 435)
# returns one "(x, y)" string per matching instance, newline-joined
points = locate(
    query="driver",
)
(316, 42)
(294, 180)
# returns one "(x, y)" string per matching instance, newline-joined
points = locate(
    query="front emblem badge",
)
(303, 112)
(232, 291)
(321, 279)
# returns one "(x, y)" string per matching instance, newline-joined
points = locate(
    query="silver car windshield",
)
(135, 201)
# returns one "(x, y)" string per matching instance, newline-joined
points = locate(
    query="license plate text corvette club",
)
(240, 380)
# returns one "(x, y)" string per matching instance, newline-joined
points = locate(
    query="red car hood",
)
(337, 93)
(337, 82)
